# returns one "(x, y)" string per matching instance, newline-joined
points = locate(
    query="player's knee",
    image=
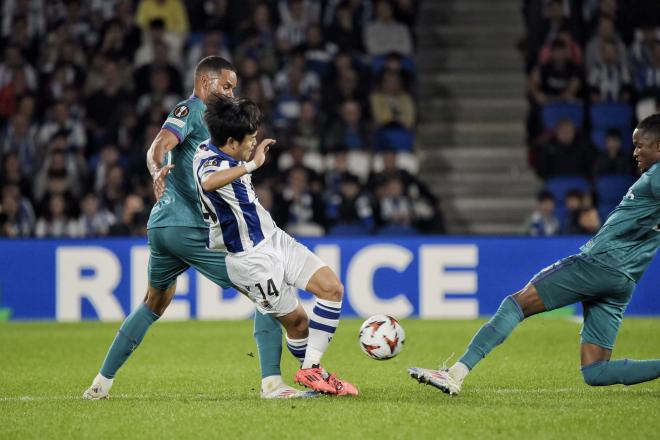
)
(332, 290)
(592, 374)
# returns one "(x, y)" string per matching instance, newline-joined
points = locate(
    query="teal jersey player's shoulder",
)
(630, 237)
(179, 205)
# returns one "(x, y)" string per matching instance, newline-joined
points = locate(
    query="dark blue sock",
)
(128, 338)
(493, 333)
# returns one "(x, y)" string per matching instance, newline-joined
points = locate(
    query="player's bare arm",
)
(165, 141)
(218, 179)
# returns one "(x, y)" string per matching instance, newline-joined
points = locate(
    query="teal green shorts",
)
(173, 249)
(603, 292)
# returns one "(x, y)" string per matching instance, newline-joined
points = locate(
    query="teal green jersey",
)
(179, 205)
(630, 237)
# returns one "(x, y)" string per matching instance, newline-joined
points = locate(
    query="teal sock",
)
(626, 372)
(268, 334)
(128, 338)
(493, 333)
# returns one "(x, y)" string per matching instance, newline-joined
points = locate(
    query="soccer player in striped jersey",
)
(262, 259)
(177, 236)
(602, 276)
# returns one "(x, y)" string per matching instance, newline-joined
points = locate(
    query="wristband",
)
(250, 166)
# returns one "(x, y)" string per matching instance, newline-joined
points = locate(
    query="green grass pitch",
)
(201, 380)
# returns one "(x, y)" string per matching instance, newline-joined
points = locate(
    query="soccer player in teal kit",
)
(178, 236)
(602, 276)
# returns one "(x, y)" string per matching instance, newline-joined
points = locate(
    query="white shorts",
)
(270, 274)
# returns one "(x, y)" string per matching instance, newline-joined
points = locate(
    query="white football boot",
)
(441, 379)
(99, 389)
(284, 391)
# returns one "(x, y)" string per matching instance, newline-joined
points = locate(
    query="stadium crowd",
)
(593, 71)
(86, 85)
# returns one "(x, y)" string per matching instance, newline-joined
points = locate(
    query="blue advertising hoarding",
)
(422, 277)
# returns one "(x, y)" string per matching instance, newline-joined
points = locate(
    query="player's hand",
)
(261, 150)
(159, 180)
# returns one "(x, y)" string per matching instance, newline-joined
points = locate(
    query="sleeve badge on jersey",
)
(211, 163)
(181, 111)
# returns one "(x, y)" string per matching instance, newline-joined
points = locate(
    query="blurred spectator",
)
(572, 206)
(172, 12)
(391, 103)
(426, 207)
(16, 214)
(349, 131)
(296, 16)
(11, 92)
(213, 43)
(55, 222)
(292, 83)
(576, 55)
(318, 51)
(543, 221)
(566, 154)
(647, 78)
(11, 174)
(344, 32)
(250, 70)
(60, 121)
(609, 80)
(114, 190)
(160, 62)
(588, 221)
(385, 34)
(94, 220)
(13, 64)
(612, 160)
(159, 94)
(299, 210)
(556, 80)
(306, 131)
(102, 123)
(19, 138)
(605, 32)
(157, 39)
(32, 11)
(20, 37)
(255, 45)
(351, 205)
(394, 207)
(61, 159)
(642, 48)
(133, 218)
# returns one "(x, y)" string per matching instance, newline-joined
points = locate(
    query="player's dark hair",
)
(231, 118)
(650, 124)
(213, 64)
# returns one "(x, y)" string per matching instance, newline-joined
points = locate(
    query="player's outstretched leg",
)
(129, 336)
(268, 334)
(329, 292)
(489, 336)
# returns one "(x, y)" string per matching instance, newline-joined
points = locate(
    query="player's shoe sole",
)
(437, 378)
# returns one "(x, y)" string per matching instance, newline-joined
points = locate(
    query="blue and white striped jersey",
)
(237, 221)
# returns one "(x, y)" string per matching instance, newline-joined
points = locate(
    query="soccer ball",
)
(381, 337)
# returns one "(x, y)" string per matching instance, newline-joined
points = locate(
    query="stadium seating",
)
(610, 190)
(555, 112)
(608, 116)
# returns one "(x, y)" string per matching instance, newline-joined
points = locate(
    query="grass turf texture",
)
(201, 380)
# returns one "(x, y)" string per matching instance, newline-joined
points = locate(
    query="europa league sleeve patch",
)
(181, 111)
